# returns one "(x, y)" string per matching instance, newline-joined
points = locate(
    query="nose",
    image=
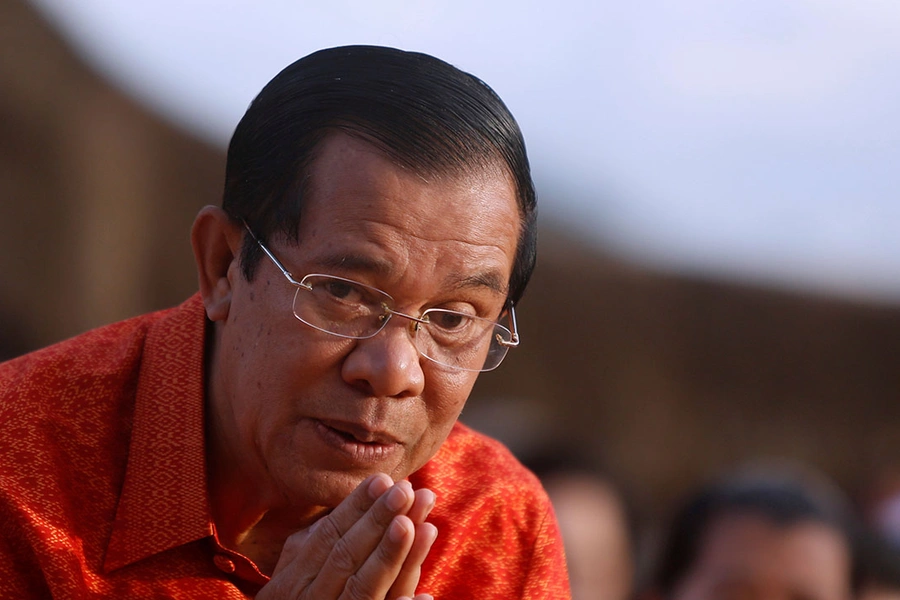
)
(386, 365)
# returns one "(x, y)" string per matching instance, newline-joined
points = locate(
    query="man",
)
(291, 431)
(760, 535)
(595, 520)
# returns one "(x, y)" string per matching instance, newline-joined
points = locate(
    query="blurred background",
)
(719, 271)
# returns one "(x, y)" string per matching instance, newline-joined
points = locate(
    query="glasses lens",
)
(462, 341)
(350, 309)
(340, 306)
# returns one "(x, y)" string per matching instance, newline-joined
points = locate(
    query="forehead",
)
(364, 211)
(806, 557)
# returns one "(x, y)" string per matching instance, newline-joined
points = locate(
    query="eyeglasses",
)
(349, 309)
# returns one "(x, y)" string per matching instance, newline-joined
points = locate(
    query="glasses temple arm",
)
(271, 256)
(514, 341)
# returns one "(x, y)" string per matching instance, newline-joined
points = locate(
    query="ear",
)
(216, 240)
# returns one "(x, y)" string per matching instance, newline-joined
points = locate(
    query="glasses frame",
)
(513, 342)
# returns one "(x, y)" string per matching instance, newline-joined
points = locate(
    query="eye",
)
(448, 321)
(340, 289)
(340, 292)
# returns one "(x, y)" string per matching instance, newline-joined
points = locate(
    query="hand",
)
(370, 547)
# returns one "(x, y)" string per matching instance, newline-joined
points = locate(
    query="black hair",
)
(421, 111)
(784, 498)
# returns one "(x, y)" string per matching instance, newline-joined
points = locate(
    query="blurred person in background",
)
(762, 533)
(291, 431)
(597, 526)
(878, 498)
(879, 566)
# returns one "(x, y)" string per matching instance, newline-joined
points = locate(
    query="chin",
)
(322, 489)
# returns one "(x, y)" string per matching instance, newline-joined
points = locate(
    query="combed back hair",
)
(782, 495)
(422, 112)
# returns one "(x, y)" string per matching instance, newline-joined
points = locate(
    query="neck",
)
(250, 514)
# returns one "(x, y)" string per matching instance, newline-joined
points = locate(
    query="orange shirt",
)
(103, 482)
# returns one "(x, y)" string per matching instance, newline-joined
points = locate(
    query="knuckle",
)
(356, 589)
(384, 556)
(327, 528)
(342, 558)
(294, 543)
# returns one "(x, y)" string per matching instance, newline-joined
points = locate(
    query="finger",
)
(422, 505)
(305, 552)
(377, 575)
(384, 532)
(408, 578)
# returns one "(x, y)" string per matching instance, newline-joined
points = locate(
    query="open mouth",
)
(358, 444)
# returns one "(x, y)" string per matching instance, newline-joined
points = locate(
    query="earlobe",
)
(216, 241)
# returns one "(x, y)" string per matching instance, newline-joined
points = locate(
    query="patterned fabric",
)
(103, 482)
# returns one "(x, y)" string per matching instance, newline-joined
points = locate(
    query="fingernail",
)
(432, 532)
(396, 498)
(379, 486)
(431, 502)
(397, 531)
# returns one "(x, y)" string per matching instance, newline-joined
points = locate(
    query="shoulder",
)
(69, 371)
(498, 535)
(73, 401)
(480, 459)
(81, 369)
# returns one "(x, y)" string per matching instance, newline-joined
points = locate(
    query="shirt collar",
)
(164, 500)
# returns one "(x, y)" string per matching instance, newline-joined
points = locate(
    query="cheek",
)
(445, 400)
(449, 390)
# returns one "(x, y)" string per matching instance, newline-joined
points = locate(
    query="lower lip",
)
(361, 452)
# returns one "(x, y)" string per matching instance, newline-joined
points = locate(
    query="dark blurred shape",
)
(598, 529)
(879, 562)
(879, 498)
(879, 504)
(12, 340)
(760, 533)
(98, 194)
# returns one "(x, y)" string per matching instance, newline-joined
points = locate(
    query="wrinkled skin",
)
(299, 419)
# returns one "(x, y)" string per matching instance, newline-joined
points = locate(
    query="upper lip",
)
(360, 431)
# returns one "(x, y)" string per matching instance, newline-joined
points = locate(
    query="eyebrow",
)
(489, 279)
(356, 262)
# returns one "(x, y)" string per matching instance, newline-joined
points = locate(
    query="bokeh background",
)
(719, 271)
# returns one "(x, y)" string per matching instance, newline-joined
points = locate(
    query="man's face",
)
(747, 557)
(309, 415)
(595, 531)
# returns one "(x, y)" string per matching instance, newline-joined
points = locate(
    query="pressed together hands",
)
(370, 547)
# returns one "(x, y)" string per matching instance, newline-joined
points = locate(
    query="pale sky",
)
(753, 139)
